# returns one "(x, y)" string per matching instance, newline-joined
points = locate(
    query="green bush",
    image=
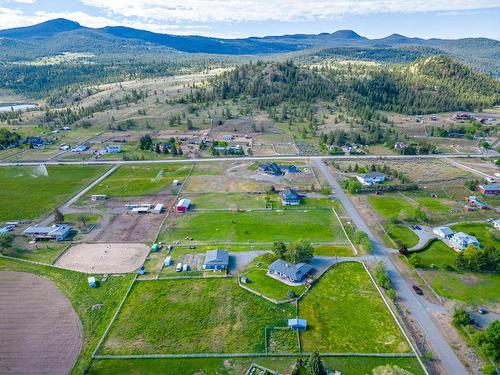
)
(461, 318)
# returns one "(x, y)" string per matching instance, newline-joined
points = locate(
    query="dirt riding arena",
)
(104, 258)
(128, 227)
(41, 333)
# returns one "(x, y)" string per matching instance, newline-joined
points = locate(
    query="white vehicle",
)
(179, 267)
(185, 268)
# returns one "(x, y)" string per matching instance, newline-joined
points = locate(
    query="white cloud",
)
(273, 10)
(23, 1)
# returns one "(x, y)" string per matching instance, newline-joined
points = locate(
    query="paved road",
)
(247, 158)
(418, 307)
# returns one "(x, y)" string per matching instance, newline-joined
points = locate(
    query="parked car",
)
(417, 290)
(185, 267)
(178, 268)
(482, 311)
(417, 227)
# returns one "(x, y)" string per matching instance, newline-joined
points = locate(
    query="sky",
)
(242, 18)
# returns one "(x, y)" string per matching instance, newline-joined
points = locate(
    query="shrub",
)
(461, 318)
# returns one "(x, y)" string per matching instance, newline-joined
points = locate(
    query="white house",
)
(496, 224)
(371, 178)
(461, 240)
(443, 232)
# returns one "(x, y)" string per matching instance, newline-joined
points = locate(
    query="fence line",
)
(101, 340)
(242, 355)
(345, 232)
(396, 319)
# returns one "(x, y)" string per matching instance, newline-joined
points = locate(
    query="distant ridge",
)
(62, 35)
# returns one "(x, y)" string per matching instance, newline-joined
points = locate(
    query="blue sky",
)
(242, 18)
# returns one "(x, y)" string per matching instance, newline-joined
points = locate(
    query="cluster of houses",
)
(273, 169)
(371, 178)
(458, 241)
(110, 149)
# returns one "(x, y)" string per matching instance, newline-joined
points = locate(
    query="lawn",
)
(193, 316)
(433, 205)
(238, 366)
(318, 225)
(136, 180)
(471, 288)
(74, 286)
(486, 234)
(345, 313)
(27, 193)
(231, 201)
(438, 255)
(334, 250)
(389, 207)
(401, 233)
(263, 284)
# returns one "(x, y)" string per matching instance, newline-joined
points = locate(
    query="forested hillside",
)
(431, 84)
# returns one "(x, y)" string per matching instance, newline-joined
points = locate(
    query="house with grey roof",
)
(289, 197)
(57, 232)
(216, 260)
(461, 240)
(288, 271)
(371, 178)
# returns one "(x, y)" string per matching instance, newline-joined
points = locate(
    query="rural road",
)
(415, 304)
(65, 206)
(246, 158)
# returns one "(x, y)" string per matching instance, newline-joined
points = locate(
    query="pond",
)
(6, 107)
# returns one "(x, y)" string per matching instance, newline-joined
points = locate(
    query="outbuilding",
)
(57, 232)
(216, 260)
(158, 208)
(443, 232)
(491, 189)
(183, 205)
(297, 324)
(92, 282)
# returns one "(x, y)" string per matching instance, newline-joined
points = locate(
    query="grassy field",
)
(345, 313)
(136, 180)
(472, 288)
(193, 316)
(257, 226)
(74, 286)
(486, 234)
(401, 233)
(26, 193)
(438, 264)
(238, 366)
(334, 250)
(263, 284)
(45, 254)
(389, 206)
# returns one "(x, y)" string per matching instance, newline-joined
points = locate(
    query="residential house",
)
(216, 260)
(461, 240)
(272, 169)
(57, 232)
(371, 178)
(289, 197)
(183, 205)
(443, 232)
(496, 224)
(291, 272)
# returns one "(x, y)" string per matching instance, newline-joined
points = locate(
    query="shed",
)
(297, 324)
(183, 205)
(140, 210)
(168, 261)
(158, 208)
(92, 282)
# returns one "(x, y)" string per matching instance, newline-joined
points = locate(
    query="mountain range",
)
(61, 35)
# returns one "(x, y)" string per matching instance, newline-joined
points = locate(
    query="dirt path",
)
(40, 331)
